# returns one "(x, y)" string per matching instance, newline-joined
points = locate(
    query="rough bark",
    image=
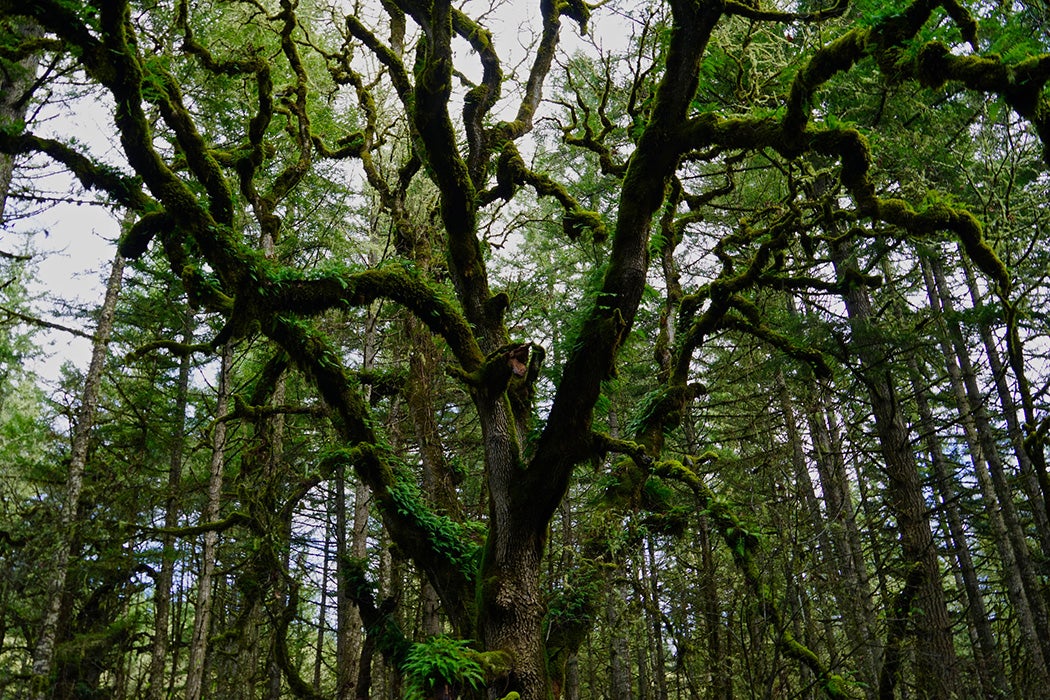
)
(68, 517)
(935, 660)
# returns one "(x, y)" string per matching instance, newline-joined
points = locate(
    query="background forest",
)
(638, 349)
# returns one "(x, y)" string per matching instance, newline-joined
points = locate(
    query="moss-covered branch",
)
(511, 172)
(395, 282)
(122, 189)
(439, 547)
(550, 11)
(755, 13)
(607, 322)
(480, 99)
(296, 683)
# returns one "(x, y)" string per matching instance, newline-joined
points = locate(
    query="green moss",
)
(454, 541)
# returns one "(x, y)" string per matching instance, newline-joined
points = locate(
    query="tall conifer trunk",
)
(209, 551)
(162, 591)
(935, 661)
(1022, 585)
(43, 653)
(1032, 483)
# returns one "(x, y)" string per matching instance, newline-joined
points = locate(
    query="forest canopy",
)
(524, 350)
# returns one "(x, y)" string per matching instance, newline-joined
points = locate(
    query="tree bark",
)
(989, 664)
(854, 582)
(14, 98)
(205, 586)
(1034, 486)
(935, 661)
(1022, 584)
(162, 590)
(619, 655)
(68, 517)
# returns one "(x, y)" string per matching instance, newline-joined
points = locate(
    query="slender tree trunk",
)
(202, 619)
(1031, 483)
(438, 482)
(162, 591)
(619, 656)
(322, 606)
(935, 660)
(275, 475)
(358, 550)
(989, 665)
(350, 659)
(1023, 586)
(854, 585)
(842, 586)
(650, 575)
(43, 653)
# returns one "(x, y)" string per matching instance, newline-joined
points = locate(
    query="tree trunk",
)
(438, 481)
(14, 98)
(322, 606)
(1024, 589)
(854, 585)
(838, 583)
(349, 659)
(989, 665)
(513, 606)
(619, 656)
(654, 615)
(1033, 485)
(935, 661)
(43, 653)
(162, 590)
(202, 619)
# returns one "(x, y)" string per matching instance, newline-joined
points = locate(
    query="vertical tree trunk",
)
(989, 665)
(162, 590)
(322, 606)
(280, 595)
(619, 656)
(839, 583)
(719, 656)
(43, 653)
(202, 619)
(935, 661)
(654, 615)
(1033, 484)
(855, 583)
(438, 482)
(1022, 584)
